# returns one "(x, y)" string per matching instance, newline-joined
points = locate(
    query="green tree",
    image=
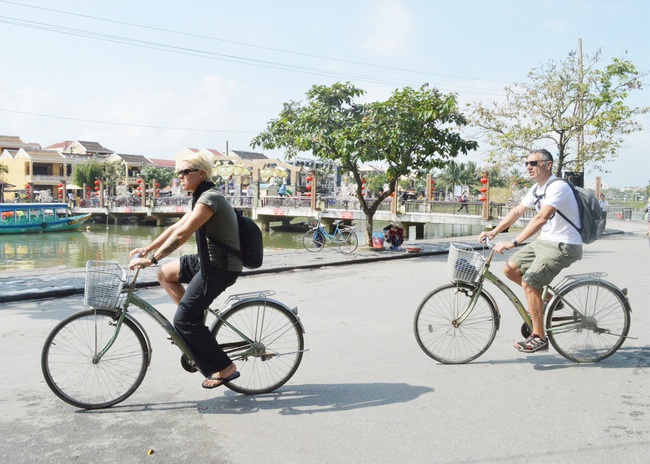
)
(459, 175)
(3, 169)
(114, 173)
(411, 132)
(562, 103)
(86, 173)
(163, 176)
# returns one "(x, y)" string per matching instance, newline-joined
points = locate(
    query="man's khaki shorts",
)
(541, 261)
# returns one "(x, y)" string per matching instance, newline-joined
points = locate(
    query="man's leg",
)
(535, 307)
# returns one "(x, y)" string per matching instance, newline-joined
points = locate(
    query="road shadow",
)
(315, 398)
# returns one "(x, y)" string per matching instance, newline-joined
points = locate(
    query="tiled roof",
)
(134, 159)
(94, 147)
(163, 163)
(249, 155)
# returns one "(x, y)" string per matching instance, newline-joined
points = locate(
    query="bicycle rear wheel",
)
(347, 241)
(313, 240)
(276, 349)
(72, 374)
(439, 332)
(592, 324)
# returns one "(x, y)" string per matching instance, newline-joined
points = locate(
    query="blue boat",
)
(21, 218)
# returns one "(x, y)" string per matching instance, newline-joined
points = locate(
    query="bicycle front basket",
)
(464, 264)
(103, 286)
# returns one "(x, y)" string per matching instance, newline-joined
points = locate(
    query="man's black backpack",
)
(250, 242)
(591, 215)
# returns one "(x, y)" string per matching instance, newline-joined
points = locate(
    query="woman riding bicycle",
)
(207, 273)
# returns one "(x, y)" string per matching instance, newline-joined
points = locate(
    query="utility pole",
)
(580, 101)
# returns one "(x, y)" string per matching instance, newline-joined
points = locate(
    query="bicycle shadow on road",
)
(626, 357)
(315, 398)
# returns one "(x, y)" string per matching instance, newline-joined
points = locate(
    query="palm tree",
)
(459, 174)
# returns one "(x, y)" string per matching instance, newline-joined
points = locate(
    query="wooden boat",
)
(20, 218)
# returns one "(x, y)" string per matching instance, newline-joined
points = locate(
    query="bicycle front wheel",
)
(265, 341)
(313, 240)
(589, 321)
(444, 335)
(347, 241)
(73, 374)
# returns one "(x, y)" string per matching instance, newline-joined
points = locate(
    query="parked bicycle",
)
(343, 237)
(98, 358)
(587, 318)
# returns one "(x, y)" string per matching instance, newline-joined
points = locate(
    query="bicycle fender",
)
(146, 337)
(569, 285)
(494, 303)
(239, 303)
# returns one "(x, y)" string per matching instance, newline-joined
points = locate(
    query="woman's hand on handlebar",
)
(138, 251)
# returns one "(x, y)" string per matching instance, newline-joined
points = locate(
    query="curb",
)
(431, 250)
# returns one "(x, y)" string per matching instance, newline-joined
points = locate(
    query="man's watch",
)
(515, 242)
(153, 259)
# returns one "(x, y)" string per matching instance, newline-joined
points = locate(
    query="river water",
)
(113, 243)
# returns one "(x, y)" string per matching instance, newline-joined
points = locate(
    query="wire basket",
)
(104, 283)
(464, 264)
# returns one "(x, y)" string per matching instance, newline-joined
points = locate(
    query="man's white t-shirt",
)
(560, 196)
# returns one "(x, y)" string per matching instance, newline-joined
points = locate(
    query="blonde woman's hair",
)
(201, 162)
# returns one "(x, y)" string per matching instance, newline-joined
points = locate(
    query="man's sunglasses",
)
(185, 172)
(534, 163)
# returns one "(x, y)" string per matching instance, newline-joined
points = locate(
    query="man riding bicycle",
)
(207, 273)
(558, 246)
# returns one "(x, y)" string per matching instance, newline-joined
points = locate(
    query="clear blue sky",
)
(152, 77)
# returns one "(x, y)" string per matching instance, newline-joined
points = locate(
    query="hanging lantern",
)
(157, 184)
(483, 198)
(60, 185)
(97, 182)
(309, 178)
(483, 189)
(308, 187)
(484, 180)
(308, 194)
(139, 181)
(138, 194)
(27, 186)
(96, 189)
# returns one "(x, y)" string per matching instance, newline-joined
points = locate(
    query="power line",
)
(125, 124)
(262, 47)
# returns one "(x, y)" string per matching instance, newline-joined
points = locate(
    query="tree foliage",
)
(163, 176)
(86, 173)
(412, 132)
(545, 112)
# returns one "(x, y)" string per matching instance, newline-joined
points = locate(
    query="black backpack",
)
(591, 215)
(250, 242)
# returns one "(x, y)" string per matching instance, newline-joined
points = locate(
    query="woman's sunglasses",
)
(185, 172)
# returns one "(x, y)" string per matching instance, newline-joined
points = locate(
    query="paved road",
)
(365, 393)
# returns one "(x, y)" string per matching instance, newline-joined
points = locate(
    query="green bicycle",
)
(587, 318)
(98, 358)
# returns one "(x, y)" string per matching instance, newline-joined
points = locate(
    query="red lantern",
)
(96, 189)
(484, 180)
(483, 189)
(97, 182)
(363, 181)
(308, 187)
(308, 194)
(157, 184)
(27, 186)
(60, 185)
(309, 178)
(139, 181)
(483, 198)
(138, 193)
